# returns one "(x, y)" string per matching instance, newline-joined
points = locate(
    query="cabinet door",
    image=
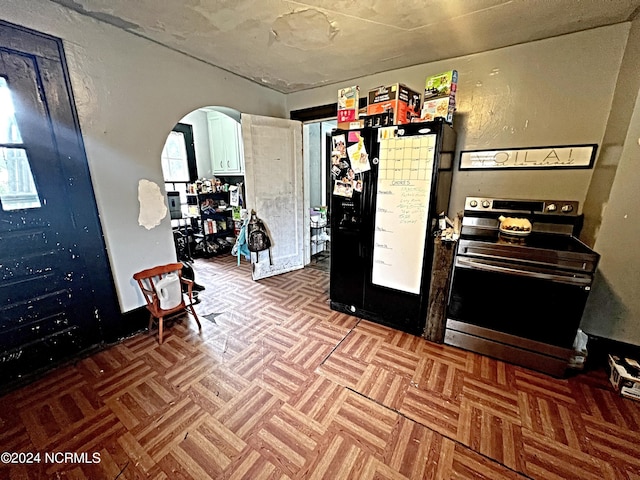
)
(223, 140)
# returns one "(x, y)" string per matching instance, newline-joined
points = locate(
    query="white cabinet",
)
(226, 145)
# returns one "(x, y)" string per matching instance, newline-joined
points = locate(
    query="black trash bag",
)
(190, 274)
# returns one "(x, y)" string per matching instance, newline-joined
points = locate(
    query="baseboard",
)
(130, 323)
(125, 326)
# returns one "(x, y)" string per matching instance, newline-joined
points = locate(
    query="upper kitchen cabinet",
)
(225, 139)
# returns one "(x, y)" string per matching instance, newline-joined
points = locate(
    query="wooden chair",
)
(148, 281)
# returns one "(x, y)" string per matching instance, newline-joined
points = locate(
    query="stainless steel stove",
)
(519, 295)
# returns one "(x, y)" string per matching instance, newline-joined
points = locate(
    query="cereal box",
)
(441, 85)
(438, 107)
(348, 99)
(440, 97)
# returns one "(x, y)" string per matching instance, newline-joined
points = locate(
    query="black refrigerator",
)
(389, 185)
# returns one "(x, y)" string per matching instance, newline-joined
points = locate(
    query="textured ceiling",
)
(295, 45)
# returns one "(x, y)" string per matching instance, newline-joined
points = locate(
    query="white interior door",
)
(274, 189)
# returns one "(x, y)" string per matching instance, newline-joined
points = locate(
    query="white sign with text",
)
(576, 156)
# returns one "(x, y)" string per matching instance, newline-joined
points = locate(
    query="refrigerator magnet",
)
(354, 136)
(387, 133)
(359, 157)
(351, 175)
(362, 164)
(343, 189)
(339, 145)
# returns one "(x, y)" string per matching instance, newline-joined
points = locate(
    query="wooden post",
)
(443, 255)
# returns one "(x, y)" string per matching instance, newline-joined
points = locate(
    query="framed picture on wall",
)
(533, 158)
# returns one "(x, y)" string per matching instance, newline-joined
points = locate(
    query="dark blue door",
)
(56, 290)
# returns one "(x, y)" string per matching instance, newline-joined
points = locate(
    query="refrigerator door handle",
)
(364, 251)
(369, 199)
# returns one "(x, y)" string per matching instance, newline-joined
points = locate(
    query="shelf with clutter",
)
(319, 231)
(218, 207)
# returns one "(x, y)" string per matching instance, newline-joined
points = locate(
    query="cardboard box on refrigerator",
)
(438, 107)
(348, 107)
(396, 102)
(624, 381)
(441, 85)
(440, 96)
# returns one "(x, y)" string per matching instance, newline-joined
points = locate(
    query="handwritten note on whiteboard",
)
(402, 211)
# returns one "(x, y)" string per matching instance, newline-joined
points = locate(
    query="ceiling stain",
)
(308, 29)
(294, 45)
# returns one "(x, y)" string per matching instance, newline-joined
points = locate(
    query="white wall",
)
(552, 92)
(624, 99)
(613, 310)
(129, 94)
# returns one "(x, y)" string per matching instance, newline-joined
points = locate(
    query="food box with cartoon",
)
(440, 96)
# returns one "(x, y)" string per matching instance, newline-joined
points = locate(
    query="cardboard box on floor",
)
(623, 381)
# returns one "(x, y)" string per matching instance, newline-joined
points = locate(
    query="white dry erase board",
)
(402, 211)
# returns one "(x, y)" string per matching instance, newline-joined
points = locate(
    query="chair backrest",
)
(149, 278)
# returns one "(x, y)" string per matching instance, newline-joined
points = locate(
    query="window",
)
(179, 162)
(17, 187)
(175, 166)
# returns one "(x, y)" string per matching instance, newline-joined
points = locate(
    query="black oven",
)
(519, 298)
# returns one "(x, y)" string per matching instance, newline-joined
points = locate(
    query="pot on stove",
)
(514, 226)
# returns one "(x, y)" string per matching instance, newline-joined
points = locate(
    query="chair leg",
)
(160, 324)
(196, 317)
(150, 323)
(193, 312)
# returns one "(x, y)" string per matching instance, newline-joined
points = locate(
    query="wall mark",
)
(153, 207)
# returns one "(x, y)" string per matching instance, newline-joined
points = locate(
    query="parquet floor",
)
(281, 387)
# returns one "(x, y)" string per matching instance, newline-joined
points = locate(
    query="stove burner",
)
(505, 239)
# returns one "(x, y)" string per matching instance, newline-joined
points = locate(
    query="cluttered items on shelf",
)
(211, 185)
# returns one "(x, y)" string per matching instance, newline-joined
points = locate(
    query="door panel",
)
(273, 165)
(52, 257)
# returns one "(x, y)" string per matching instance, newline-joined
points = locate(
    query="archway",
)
(203, 168)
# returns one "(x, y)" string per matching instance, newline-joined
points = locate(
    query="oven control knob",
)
(551, 207)
(486, 204)
(473, 203)
(567, 208)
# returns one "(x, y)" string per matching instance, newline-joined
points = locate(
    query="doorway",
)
(315, 135)
(204, 149)
(271, 182)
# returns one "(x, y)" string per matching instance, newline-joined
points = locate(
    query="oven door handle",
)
(571, 279)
